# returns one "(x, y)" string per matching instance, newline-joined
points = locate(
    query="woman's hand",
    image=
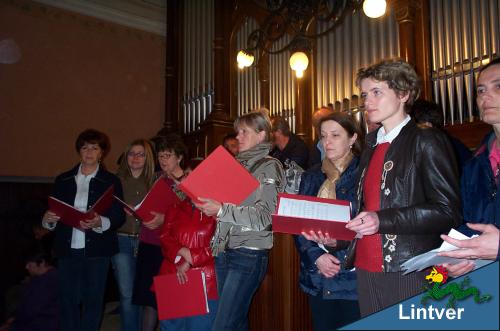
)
(328, 265)
(459, 269)
(156, 222)
(50, 217)
(95, 222)
(186, 254)
(484, 246)
(208, 207)
(181, 272)
(366, 223)
(320, 238)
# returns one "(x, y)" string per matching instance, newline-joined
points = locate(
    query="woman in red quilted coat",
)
(185, 242)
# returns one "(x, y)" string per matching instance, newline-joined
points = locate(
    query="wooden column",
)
(263, 72)
(172, 64)
(219, 122)
(221, 56)
(414, 37)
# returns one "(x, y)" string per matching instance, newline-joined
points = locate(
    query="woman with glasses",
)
(84, 253)
(171, 157)
(185, 241)
(136, 174)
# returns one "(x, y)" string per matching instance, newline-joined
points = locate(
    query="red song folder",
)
(175, 300)
(71, 216)
(220, 177)
(300, 213)
(155, 200)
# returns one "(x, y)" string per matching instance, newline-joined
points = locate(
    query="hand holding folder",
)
(176, 300)
(71, 216)
(299, 213)
(219, 177)
(155, 201)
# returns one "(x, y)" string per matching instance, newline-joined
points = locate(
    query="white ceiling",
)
(147, 15)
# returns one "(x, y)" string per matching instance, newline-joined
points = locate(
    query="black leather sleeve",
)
(426, 200)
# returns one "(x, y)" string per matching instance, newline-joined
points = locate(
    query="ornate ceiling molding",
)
(143, 15)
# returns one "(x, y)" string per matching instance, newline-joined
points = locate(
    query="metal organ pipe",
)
(359, 41)
(197, 61)
(464, 36)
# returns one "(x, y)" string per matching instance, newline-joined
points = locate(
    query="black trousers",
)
(379, 290)
(330, 315)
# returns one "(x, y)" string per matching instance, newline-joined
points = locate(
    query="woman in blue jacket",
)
(332, 291)
(480, 180)
(84, 254)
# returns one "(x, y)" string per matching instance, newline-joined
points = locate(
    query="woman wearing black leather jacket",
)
(408, 188)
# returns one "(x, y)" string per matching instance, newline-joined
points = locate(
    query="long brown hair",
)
(149, 165)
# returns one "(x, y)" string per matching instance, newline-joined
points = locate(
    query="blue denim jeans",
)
(124, 267)
(239, 274)
(193, 323)
(82, 281)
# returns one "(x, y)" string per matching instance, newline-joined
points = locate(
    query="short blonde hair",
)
(257, 120)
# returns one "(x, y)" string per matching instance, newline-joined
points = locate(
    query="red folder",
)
(155, 200)
(220, 177)
(175, 300)
(71, 216)
(333, 223)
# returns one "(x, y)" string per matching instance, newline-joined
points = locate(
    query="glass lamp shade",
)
(244, 59)
(374, 8)
(299, 61)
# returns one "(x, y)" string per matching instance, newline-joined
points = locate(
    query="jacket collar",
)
(249, 157)
(388, 137)
(74, 171)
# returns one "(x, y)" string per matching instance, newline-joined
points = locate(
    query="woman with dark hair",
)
(408, 190)
(185, 241)
(332, 291)
(479, 185)
(243, 236)
(38, 308)
(136, 173)
(171, 153)
(84, 255)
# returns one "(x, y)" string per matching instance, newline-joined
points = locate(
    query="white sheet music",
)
(431, 258)
(314, 210)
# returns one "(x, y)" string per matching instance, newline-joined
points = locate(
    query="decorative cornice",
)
(140, 18)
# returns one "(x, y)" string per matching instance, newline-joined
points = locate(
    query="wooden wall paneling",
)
(471, 134)
(279, 304)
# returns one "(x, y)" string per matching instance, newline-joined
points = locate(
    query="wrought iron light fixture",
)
(295, 17)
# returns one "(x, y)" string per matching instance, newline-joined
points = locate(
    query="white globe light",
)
(374, 8)
(249, 59)
(299, 61)
(241, 59)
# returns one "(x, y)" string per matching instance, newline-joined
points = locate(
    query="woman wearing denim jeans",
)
(136, 175)
(243, 234)
(84, 253)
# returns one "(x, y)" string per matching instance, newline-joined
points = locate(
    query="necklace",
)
(177, 179)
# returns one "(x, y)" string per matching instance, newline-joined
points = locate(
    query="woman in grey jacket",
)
(243, 236)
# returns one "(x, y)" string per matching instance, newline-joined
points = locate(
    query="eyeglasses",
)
(165, 155)
(132, 154)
